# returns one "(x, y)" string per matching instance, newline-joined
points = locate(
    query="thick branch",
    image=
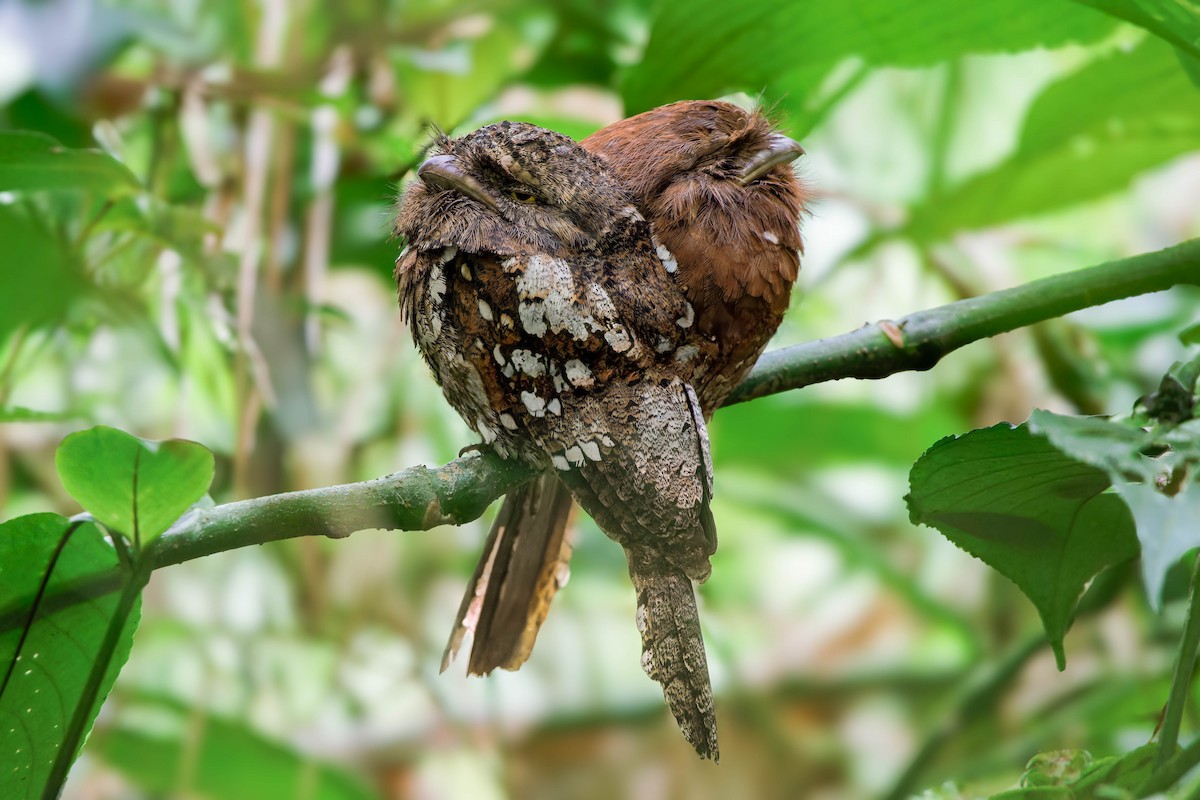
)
(415, 499)
(420, 498)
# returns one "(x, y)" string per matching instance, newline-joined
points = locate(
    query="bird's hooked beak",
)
(443, 172)
(779, 150)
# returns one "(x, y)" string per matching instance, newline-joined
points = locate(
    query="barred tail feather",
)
(524, 563)
(673, 653)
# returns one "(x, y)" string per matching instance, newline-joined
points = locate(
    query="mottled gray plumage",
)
(538, 298)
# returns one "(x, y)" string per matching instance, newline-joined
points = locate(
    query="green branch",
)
(921, 340)
(420, 498)
(415, 499)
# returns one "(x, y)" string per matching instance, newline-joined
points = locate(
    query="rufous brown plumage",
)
(716, 183)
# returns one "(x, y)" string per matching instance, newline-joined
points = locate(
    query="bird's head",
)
(719, 150)
(510, 188)
(717, 184)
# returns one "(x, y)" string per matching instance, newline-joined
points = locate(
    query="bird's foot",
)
(479, 447)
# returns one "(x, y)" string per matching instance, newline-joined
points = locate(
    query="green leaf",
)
(132, 485)
(1190, 64)
(446, 85)
(589, 42)
(1128, 92)
(1111, 446)
(1085, 136)
(46, 663)
(42, 287)
(1166, 525)
(167, 748)
(1174, 21)
(1190, 334)
(31, 162)
(711, 49)
(1041, 519)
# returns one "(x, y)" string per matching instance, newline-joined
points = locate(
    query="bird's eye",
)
(522, 197)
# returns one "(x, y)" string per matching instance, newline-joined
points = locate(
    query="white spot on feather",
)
(578, 373)
(485, 310)
(447, 255)
(546, 292)
(506, 321)
(686, 353)
(559, 463)
(618, 339)
(465, 269)
(498, 355)
(528, 362)
(507, 421)
(668, 261)
(574, 455)
(532, 318)
(535, 404)
(554, 406)
(591, 450)
(689, 316)
(771, 237)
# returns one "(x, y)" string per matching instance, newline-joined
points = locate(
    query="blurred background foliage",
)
(230, 283)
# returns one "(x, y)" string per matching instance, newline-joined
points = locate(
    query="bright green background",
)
(953, 148)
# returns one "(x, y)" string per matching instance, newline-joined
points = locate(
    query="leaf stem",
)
(1181, 681)
(81, 716)
(1172, 771)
